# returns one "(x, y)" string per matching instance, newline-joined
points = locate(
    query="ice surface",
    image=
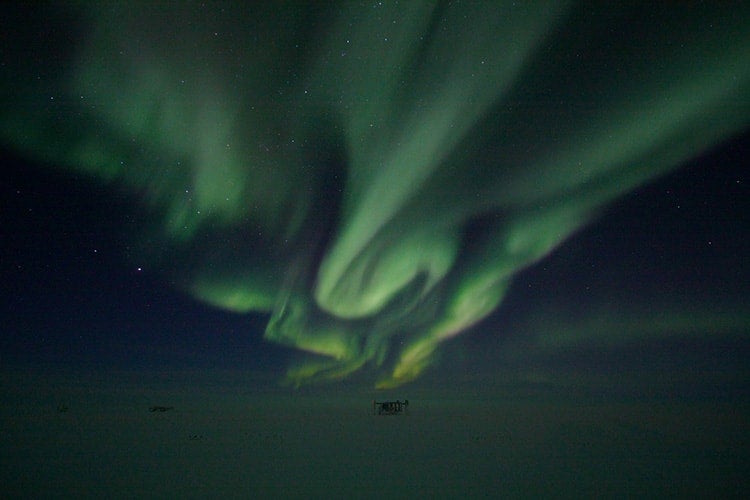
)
(232, 442)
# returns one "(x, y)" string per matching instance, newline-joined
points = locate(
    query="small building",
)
(390, 407)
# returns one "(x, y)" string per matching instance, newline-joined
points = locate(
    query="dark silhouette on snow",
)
(390, 407)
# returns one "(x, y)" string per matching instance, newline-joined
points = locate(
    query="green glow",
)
(237, 298)
(324, 166)
(610, 328)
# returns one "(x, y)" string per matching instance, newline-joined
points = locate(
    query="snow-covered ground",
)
(69, 437)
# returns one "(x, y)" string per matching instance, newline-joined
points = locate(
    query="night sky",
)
(468, 195)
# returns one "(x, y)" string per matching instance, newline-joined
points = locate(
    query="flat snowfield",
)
(84, 438)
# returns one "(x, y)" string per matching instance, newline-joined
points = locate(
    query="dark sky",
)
(497, 196)
(663, 272)
(73, 297)
(72, 294)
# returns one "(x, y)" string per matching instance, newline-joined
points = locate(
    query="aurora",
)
(371, 176)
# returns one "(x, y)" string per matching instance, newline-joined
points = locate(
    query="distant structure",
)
(161, 409)
(390, 407)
